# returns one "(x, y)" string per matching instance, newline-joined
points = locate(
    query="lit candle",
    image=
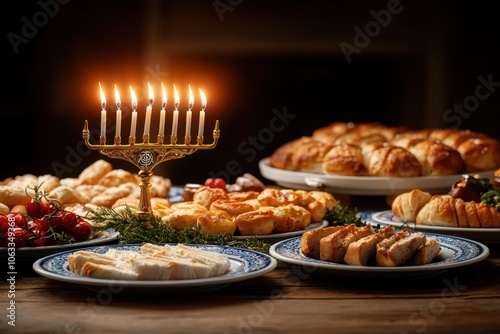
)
(161, 131)
(103, 112)
(201, 123)
(176, 113)
(133, 125)
(149, 108)
(189, 113)
(118, 113)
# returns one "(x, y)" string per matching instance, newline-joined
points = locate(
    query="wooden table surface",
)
(290, 299)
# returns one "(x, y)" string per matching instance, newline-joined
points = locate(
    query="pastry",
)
(206, 196)
(231, 206)
(290, 217)
(93, 173)
(344, 159)
(214, 222)
(436, 158)
(407, 205)
(390, 160)
(257, 222)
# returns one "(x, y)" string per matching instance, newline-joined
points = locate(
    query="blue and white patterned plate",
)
(245, 264)
(486, 235)
(455, 252)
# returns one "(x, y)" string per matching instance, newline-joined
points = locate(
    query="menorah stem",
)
(145, 211)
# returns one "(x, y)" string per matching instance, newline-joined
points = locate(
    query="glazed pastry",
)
(243, 195)
(480, 154)
(282, 157)
(291, 217)
(344, 160)
(454, 212)
(277, 197)
(206, 196)
(214, 222)
(436, 158)
(407, 205)
(231, 206)
(185, 216)
(390, 160)
(115, 177)
(257, 222)
(308, 157)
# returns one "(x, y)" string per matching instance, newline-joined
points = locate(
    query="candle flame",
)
(103, 98)
(191, 99)
(164, 97)
(134, 99)
(151, 95)
(117, 98)
(176, 99)
(203, 100)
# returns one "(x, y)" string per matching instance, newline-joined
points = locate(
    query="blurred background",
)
(272, 71)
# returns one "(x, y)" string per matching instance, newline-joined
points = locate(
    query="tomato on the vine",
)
(18, 219)
(215, 183)
(81, 231)
(19, 236)
(4, 224)
(37, 208)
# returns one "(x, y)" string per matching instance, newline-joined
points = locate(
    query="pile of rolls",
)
(373, 149)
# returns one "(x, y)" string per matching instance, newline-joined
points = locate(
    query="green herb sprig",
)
(342, 215)
(133, 230)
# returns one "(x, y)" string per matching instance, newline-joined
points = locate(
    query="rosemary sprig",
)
(132, 230)
(343, 215)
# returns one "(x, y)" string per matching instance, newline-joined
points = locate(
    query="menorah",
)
(147, 155)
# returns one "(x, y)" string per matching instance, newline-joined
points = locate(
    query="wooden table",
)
(286, 300)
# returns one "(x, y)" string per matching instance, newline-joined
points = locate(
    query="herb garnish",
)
(132, 230)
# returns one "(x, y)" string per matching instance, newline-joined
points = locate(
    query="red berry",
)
(81, 231)
(209, 182)
(219, 183)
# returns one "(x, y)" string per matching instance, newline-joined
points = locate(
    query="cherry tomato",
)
(19, 236)
(41, 223)
(4, 224)
(18, 219)
(63, 220)
(37, 209)
(81, 231)
(219, 183)
(209, 182)
(215, 183)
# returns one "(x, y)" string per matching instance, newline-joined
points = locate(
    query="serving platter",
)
(386, 217)
(34, 253)
(359, 185)
(455, 252)
(245, 264)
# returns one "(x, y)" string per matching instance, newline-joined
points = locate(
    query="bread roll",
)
(480, 154)
(206, 196)
(390, 160)
(214, 222)
(93, 173)
(407, 205)
(257, 222)
(291, 217)
(455, 212)
(344, 160)
(436, 158)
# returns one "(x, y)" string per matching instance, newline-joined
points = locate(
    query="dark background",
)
(250, 58)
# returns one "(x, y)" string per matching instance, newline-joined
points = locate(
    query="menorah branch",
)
(146, 156)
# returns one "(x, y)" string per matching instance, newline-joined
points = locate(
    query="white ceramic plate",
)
(359, 185)
(33, 253)
(455, 252)
(275, 237)
(245, 264)
(486, 235)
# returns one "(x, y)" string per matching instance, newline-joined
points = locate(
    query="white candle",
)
(133, 125)
(176, 113)
(118, 113)
(103, 112)
(161, 131)
(189, 113)
(149, 108)
(201, 123)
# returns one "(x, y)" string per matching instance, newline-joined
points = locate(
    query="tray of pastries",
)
(374, 159)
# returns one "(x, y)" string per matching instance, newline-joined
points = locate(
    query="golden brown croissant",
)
(390, 160)
(407, 205)
(344, 160)
(436, 158)
(480, 154)
(454, 212)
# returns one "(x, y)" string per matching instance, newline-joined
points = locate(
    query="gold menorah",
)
(148, 155)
